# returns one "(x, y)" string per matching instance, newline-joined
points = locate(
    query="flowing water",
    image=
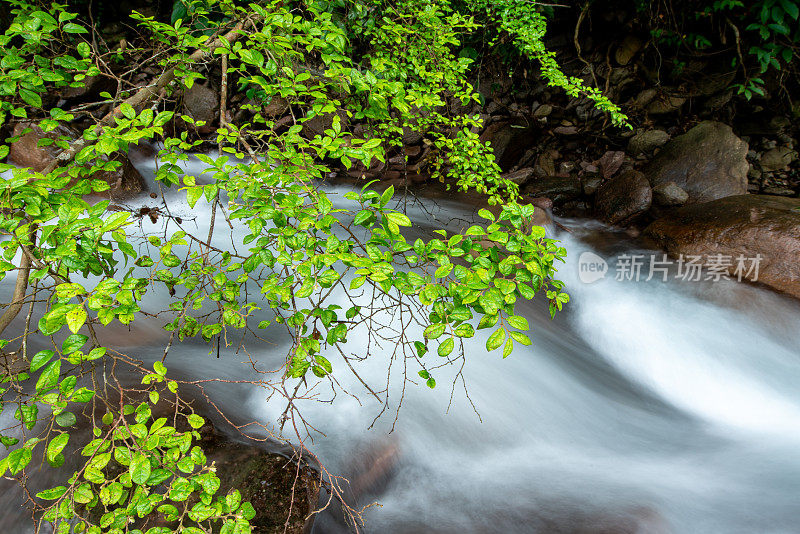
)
(645, 407)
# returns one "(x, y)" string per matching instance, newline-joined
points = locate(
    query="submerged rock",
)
(746, 226)
(708, 162)
(623, 198)
(124, 181)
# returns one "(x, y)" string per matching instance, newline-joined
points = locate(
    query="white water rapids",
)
(652, 408)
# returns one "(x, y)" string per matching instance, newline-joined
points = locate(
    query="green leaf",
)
(160, 369)
(195, 421)
(74, 28)
(486, 214)
(56, 445)
(83, 494)
(76, 318)
(73, 343)
(357, 282)
(488, 321)
(128, 111)
(508, 348)
(30, 97)
(398, 218)
(387, 195)
(49, 377)
(193, 194)
(363, 217)
(18, 459)
(521, 338)
(140, 469)
(434, 331)
(520, 323)
(83, 395)
(464, 330)
(446, 347)
(247, 511)
(52, 494)
(41, 358)
(66, 419)
(496, 339)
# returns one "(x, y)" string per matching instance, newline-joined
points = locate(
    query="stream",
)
(645, 407)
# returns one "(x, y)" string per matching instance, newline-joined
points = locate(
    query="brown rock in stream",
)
(623, 198)
(747, 226)
(124, 181)
(708, 162)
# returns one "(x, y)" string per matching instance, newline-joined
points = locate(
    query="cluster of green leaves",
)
(137, 464)
(770, 35)
(526, 24)
(298, 247)
(32, 54)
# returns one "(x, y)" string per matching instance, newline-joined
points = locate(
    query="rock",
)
(669, 194)
(718, 101)
(545, 166)
(644, 98)
(558, 189)
(779, 123)
(664, 104)
(709, 84)
(541, 202)
(623, 198)
(201, 104)
(411, 137)
(566, 167)
(778, 159)
(543, 111)
(277, 106)
(743, 226)
(124, 181)
(708, 162)
(779, 191)
(646, 141)
(620, 77)
(566, 130)
(509, 141)
(629, 47)
(610, 163)
(591, 184)
(283, 494)
(520, 176)
(412, 150)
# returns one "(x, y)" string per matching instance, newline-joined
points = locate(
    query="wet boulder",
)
(124, 181)
(560, 189)
(708, 162)
(669, 194)
(758, 235)
(624, 198)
